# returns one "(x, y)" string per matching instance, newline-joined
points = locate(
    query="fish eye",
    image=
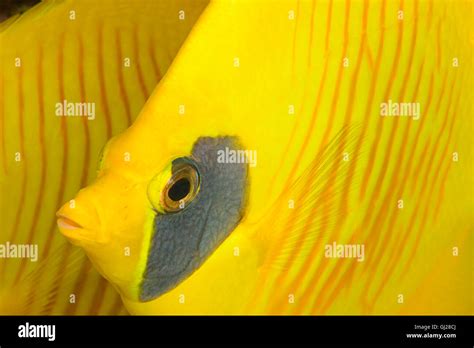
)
(181, 188)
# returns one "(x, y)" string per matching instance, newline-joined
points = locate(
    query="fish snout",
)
(78, 219)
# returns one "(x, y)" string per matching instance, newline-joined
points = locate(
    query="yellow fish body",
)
(315, 92)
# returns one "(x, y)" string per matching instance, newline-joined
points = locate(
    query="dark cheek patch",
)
(182, 241)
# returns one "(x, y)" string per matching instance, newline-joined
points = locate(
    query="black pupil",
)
(179, 190)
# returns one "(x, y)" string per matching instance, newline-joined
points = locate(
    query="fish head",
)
(159, 207)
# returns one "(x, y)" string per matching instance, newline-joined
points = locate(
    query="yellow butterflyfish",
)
(298, 157)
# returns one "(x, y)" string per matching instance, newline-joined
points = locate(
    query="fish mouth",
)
(73, 230)
(66, 223)
(79, 224)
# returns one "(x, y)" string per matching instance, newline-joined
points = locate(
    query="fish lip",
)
(72, 230)
(67, 223)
